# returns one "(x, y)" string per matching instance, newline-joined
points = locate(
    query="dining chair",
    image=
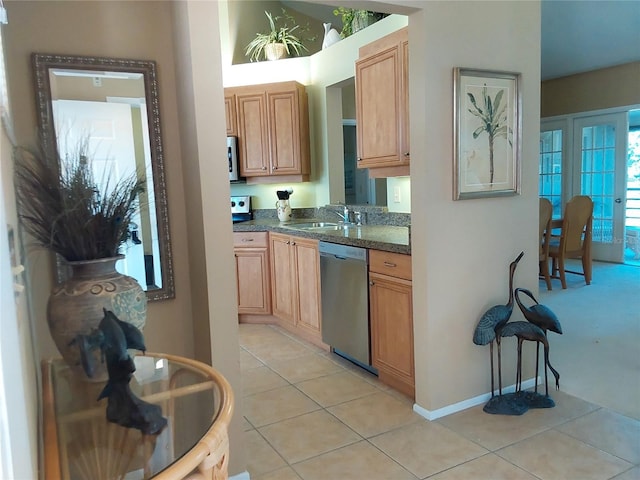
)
(546, 210)
(574, 239)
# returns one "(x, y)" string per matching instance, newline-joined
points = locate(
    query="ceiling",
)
(577, 35)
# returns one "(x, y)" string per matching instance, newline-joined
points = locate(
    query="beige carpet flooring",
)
(598, 355)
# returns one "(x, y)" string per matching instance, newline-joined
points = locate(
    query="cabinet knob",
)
(275, 168)
(371, 283)
(264, 168)
(359, 159)
(293, 243)
(406, 154)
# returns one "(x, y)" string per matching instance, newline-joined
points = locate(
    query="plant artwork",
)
(487, 129)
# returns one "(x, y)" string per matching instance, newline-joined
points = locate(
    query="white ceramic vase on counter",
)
(284, 210)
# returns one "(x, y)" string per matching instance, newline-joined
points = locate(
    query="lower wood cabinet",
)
(251, 251)
(391, 316)
(295, 284)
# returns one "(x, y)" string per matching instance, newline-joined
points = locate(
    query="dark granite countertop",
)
(378, 237)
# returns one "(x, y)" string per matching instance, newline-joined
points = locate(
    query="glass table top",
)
(91, 447)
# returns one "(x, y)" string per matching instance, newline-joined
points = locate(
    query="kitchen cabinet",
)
(391, 317)
(252, 272)
(295, 281)
(231, 115)
(382, 106)
(273, 132)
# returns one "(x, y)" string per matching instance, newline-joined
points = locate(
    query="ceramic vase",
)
(76, 306)
(331, 36)
(284, 210)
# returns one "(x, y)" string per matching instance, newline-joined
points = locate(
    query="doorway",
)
(597, 154)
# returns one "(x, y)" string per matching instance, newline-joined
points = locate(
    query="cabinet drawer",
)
(250, 239)
(392, 264)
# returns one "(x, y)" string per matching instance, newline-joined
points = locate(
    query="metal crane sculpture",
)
(113, 337)
(492, 321)
(541, 316)
(528, 331)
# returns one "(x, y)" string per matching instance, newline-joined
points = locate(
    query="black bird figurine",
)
(114, 337)
(539, 315)
(528, 331)
(492, 321)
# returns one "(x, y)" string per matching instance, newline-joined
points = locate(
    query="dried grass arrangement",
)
(62, 207)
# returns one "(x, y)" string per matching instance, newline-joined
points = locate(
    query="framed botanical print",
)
(487, 131)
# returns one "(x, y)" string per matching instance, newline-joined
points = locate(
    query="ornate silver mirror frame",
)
(158, 285)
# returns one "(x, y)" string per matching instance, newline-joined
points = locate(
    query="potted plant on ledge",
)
(280, 41)
(68, 212)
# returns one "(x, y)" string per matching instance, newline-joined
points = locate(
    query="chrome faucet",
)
(346, 215)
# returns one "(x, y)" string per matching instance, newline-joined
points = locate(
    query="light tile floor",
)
(310, 414)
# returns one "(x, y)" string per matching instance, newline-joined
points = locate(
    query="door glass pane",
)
(598, 176)
(587, 142)
(586, 161)
(550, 169)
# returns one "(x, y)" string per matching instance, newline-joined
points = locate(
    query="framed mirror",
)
(113, 105)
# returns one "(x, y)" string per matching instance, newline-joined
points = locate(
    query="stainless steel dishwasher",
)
(345, 301)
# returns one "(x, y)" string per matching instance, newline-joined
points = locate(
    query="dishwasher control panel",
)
(343, 251)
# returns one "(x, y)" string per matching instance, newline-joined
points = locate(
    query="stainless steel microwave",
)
(232, 157)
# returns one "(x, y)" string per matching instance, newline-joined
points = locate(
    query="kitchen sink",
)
(317, 226)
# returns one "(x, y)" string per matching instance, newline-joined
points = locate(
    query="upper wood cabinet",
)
(273, 131)
(382, 105)
(231, 115)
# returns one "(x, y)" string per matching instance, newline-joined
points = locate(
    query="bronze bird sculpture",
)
(528, 331)
(492, 321)
(539, 315)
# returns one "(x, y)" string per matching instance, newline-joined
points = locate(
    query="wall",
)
(211, 259)
(18, 367)
(135, 30)
(599, 89)
(462, 249)
(145, 30)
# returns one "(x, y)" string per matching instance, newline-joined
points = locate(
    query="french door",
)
(599, 171)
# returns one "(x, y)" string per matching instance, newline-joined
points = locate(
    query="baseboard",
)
(471, 402)
(241, 476)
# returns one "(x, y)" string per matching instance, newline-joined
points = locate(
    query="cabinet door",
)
(404, 125)
(283, 280)
(252, 133)
(391, 311)
(231, 115)
(378, 109)
(308, 279)
(284, 132)
(252, 271)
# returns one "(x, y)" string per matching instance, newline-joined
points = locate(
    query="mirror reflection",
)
(113, 105)
(359, 189)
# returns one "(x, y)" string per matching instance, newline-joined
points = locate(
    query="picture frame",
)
(487, 133)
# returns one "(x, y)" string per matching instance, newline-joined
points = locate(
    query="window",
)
(550, 168)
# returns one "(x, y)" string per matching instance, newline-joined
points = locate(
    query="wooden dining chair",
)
(574, 240)
(546, 210)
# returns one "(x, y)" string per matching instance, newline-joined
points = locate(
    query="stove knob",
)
(241, 203)
(233, 204)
